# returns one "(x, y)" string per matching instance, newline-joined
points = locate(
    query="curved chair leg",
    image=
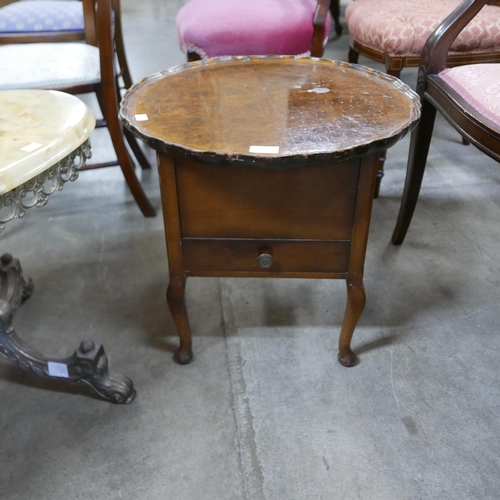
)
(132, 142)
(177, 305)
(136, 149)
(356, 299)
(116, 132)
(417, 158)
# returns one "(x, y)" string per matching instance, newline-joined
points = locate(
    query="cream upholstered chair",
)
(209, 28)
(394, 32)
(467, 96)
(80, 68)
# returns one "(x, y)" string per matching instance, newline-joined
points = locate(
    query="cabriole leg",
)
(356, 299)
(177, 304)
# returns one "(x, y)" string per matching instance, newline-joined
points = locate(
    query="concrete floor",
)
(264, 411)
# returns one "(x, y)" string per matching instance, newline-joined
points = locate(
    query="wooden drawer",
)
(203, 256)
(313, 203)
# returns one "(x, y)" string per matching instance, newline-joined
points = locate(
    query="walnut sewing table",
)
(267, 168)
(44, 141)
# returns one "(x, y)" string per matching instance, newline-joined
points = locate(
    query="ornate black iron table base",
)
(89, 365)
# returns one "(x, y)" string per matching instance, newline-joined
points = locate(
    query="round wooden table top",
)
(270, 110)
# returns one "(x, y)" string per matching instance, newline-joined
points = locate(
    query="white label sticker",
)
(58, 370)
(31, 147)
(319, 90)
(264, 149)
(141, 118)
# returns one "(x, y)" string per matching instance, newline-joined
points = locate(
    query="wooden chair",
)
(80, 68)
(467, 96)
(335, 13)
(210, 28)
(394, 32)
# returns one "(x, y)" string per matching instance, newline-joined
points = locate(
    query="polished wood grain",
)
(302, 210)
(229, 202)
(217, 109)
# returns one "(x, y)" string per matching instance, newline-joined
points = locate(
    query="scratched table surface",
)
(243, 108)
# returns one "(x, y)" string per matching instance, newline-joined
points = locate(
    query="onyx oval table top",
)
(247, 109)
(38, 128)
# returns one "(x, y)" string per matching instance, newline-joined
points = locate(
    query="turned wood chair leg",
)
(177, 305)
(417, 158)
(356, 299)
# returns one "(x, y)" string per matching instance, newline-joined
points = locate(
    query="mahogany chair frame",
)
(436, 95)
(103, 29)
(319, 25)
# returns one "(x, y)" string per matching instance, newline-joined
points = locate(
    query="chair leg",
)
(193, 56)
(380, 172)
(134, 146)
(353, 56)
(383, 154)
(136, 149)
(465, 142)
(417, 158)
(335, 11)
(120, 48)
(116, 132)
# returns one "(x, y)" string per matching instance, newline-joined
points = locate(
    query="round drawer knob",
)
(265, 260)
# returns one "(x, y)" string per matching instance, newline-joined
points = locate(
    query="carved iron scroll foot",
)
(89, 365)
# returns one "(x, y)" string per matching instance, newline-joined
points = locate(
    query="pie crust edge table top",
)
(315, 109)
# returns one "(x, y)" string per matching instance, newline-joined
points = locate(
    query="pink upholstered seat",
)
(212, 28)
(401, 27)
(479, 86)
